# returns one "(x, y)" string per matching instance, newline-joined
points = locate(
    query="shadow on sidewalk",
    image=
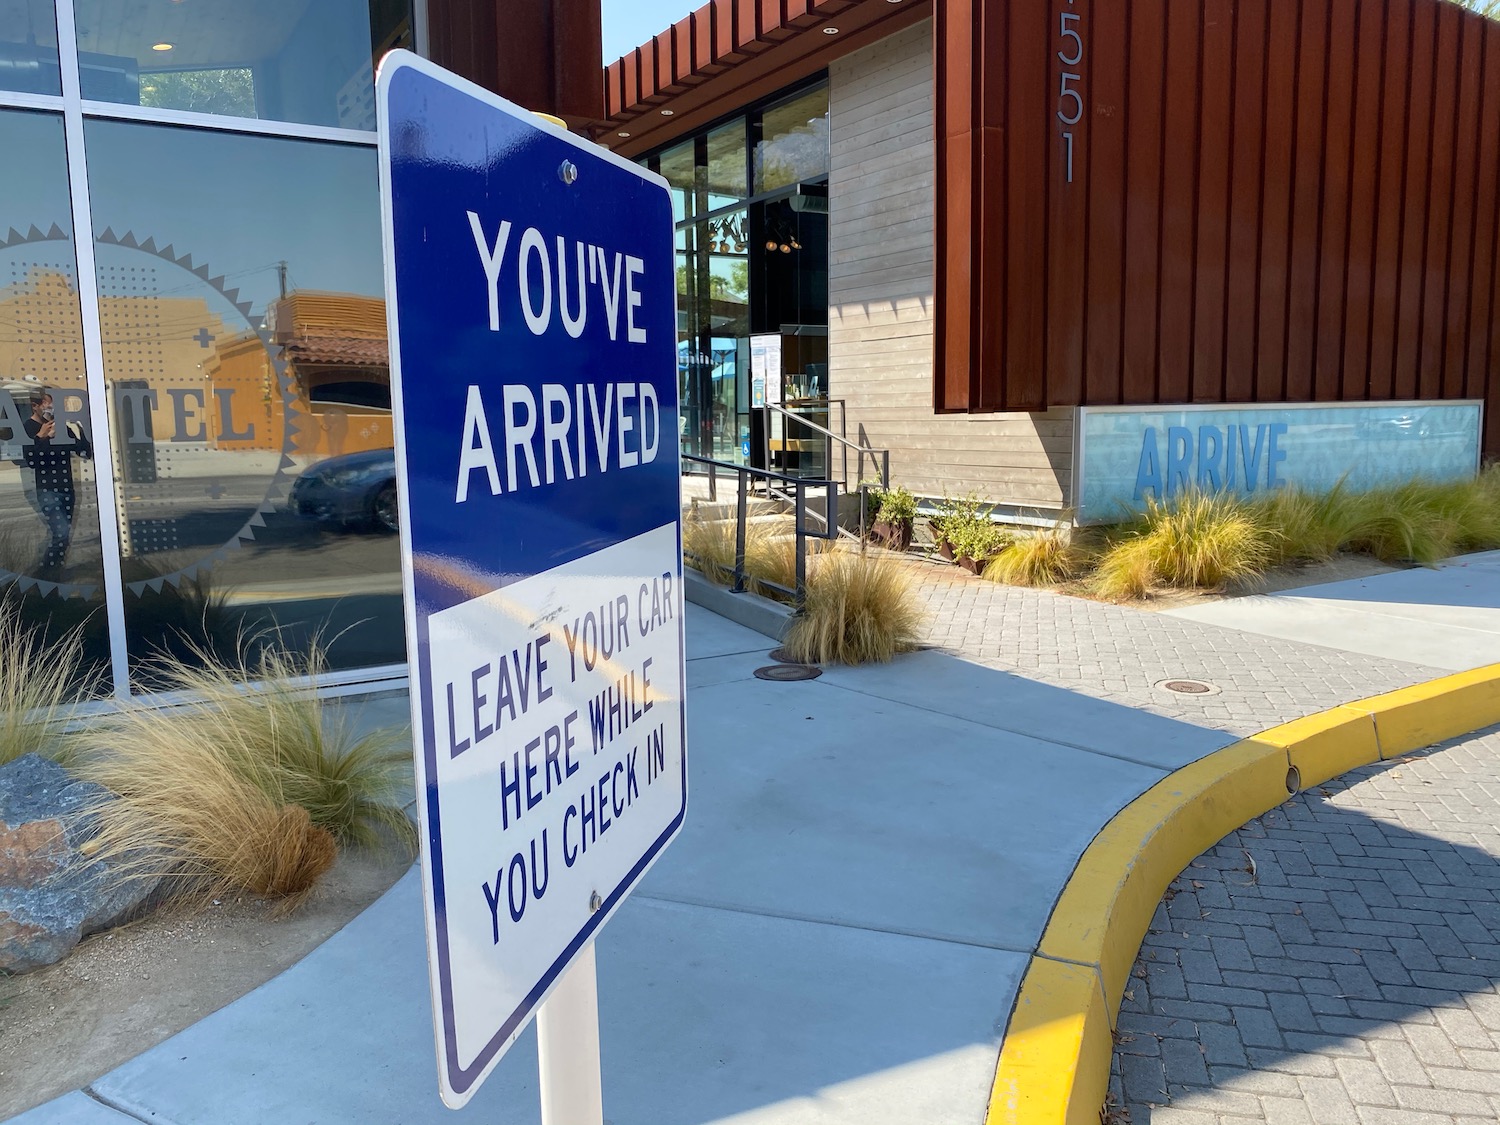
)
(1329, 950)
(838, 935)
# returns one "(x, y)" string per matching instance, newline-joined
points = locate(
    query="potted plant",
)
(894, 518)
(951, 514)
(962, 530)
(976, 541)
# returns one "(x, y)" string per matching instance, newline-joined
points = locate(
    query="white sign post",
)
(531, 310)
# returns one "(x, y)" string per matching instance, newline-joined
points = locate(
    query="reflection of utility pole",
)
(281, 276)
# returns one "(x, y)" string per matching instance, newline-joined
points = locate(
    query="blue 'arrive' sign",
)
(531, 292)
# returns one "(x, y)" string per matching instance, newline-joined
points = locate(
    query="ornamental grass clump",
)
(859, 609)
(1196, 540)
(41, 678)
(1047, 558)
(246, 785)
(1309, 526)
(1403, 523)
(708, 546)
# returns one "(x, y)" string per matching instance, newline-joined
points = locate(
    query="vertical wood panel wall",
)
(1271, 200)
(880, 294)
(544, 56)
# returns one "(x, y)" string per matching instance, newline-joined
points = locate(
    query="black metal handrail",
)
(879, 458)
(798, 486)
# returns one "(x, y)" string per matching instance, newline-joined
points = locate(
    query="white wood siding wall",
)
(880, 295)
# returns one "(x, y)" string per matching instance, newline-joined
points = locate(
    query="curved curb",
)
(1055, 1059)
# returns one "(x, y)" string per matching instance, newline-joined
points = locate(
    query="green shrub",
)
(897, 505)
(965, 525)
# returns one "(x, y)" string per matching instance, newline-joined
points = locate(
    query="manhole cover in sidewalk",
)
(785, 672)
(1187, 687)
(782, 656)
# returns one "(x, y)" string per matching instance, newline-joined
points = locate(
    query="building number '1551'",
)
(1069, 97)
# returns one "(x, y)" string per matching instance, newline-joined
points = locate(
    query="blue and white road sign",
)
(531, 308)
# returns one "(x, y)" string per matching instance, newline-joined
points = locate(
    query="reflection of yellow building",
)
(205, 385)
(241, 372)
(165, 344)
(335, 348)
(41, 333)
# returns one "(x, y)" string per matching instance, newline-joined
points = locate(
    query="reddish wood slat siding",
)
(1272, 200)
(544, 56)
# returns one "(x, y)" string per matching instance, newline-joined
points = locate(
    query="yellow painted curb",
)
(1418, 716)
(1054, 1063)
(1120, 879)
(1327, 744)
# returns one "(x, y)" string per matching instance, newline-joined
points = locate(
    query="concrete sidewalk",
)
(838, 936)
(1447, 616)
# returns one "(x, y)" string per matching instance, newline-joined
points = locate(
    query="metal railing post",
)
(739, 538)
(801, 545)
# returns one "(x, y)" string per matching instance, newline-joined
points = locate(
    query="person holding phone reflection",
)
(50, 458)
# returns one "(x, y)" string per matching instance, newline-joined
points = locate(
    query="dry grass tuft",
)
(1047, 558)
(302, 854)
(1196, 540)
(188, 813)
(859, 610)
(1309, 526)
(770, 551)
(244, 786)
(40, 680)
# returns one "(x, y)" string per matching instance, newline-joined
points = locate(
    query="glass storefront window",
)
(51, 569)
(713, 302)
(750, 263)
(306, 61)
(724, 172)
(794, 141)
(28, 47)
(680, 169)
(243, 323)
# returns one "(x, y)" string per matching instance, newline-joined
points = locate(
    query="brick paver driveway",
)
(1334, 961)
(1120, 653)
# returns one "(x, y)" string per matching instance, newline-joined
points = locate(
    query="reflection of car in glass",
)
(356, 488)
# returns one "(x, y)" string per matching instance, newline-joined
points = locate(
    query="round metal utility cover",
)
(785, 672)
(782, 656)
(1180, 686)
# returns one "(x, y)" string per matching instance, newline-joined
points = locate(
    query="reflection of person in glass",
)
(51, 462)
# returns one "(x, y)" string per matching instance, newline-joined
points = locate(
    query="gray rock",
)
(51, 896)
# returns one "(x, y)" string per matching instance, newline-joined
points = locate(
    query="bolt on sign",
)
(531, 305)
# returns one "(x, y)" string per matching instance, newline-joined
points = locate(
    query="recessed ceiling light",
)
(668, 112)
(830, 31)
(622, 134)
(162, 46)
